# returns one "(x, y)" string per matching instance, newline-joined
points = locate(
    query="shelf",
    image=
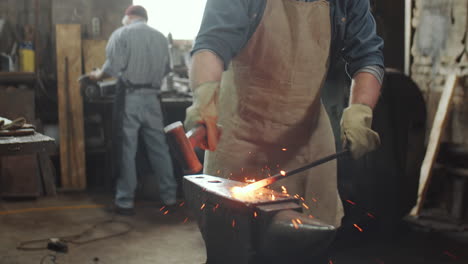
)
(17, 77)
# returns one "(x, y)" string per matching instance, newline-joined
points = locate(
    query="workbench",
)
(99, 155)
(37, 148)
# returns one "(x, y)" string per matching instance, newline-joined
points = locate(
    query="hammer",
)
(183, 144)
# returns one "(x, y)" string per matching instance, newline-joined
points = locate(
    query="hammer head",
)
(183, 144)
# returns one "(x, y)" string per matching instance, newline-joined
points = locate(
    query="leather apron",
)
(270, 107)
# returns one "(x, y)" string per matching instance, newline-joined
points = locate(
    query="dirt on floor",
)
(157, 236)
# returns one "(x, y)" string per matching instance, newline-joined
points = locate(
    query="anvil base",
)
(265, 227)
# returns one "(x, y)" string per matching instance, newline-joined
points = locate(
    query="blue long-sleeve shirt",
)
(229, 24)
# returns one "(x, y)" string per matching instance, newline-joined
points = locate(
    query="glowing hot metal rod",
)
(284, 174)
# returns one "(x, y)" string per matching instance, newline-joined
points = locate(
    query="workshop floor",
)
(155, 237)
(165, 239)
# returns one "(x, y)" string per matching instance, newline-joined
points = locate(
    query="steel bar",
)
(284, 174)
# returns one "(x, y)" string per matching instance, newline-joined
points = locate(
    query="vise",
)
(97, 91)
(258, 227)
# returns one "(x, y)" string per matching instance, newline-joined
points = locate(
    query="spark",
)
(450, 254)
(233, 223)
(311, 216)
(202, 207)
(296, 226)
(273, 197)
(162, 208)
(219, 171)
(255, 214)
(181, 204)
(299, 221)
(284, 149)
(284, 189)
(296, 196)
(305, 206)
(216, 207)
(302, 198)
(358, 228)
(351, 202)
(371, 215)
(165, 213)
(248, 188)
(283, 173)
(314, 200)
(185, 220)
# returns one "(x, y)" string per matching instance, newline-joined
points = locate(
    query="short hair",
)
(137, 10)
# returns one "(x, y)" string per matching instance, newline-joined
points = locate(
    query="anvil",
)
(264, 226)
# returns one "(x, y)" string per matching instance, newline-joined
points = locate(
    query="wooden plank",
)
(408, 35)
(17, 132)
(94, 54)
(69, 69)
(17, 78)
(47, 173)
(433, 145)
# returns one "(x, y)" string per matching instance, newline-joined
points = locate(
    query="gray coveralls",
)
(138, 55)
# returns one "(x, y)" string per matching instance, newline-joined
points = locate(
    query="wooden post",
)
(408, 35)
(435, 137)
(69, 69)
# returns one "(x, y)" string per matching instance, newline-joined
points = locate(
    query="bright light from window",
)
(182, 18)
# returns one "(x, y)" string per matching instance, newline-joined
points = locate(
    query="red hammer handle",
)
(183, 145)
(197, 135)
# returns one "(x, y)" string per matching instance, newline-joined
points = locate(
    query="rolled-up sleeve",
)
(362, 46)
(116, 55)
(224, 29)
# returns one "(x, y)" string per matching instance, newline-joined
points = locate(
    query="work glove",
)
(356, 132)
(204, 111)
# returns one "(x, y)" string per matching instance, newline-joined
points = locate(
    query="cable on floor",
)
(53, 259)
(73, 239)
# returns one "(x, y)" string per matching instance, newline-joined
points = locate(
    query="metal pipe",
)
(285, 174)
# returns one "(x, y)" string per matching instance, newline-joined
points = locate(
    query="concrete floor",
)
(155, 238)
(166, 239)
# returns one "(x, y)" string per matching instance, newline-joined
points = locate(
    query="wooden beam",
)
(94, 54)
(47, 173)
(435, 137)
(69, 69)
(408, 35)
